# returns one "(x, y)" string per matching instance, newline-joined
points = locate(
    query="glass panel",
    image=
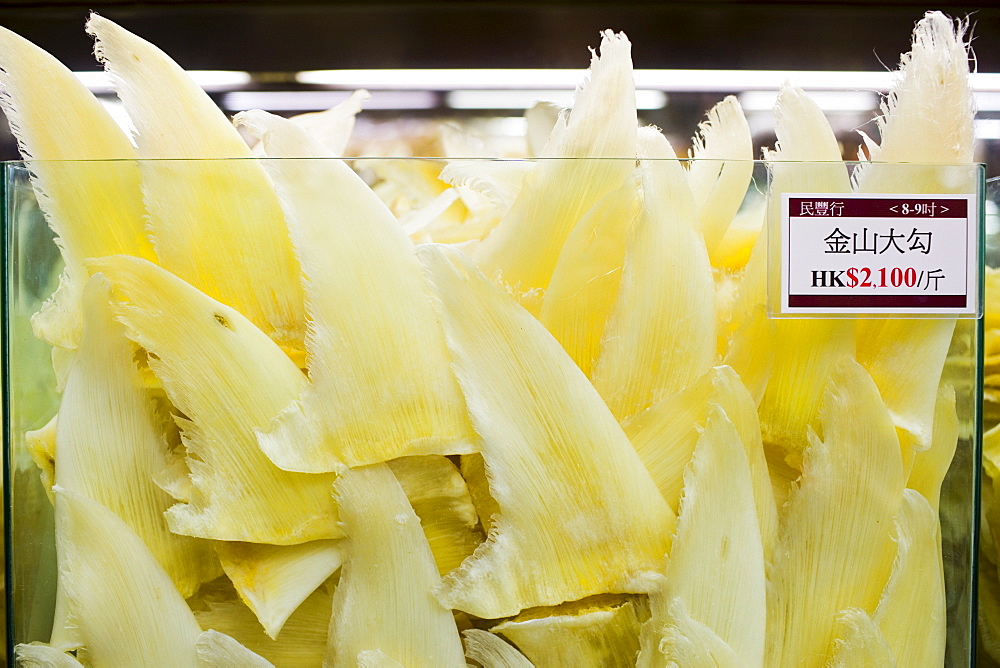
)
(429, 212)
(32, 272)
(988, 589)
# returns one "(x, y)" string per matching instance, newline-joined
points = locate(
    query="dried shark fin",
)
(124, 603)
(473, 469)
(931, 465)
(660, 335)
(441, 499)
(807, 159)
(227, 378)
(747, 352)
(540, 119)
(584, 284)
(566, 479)
(733, 398)
(302, 641)
(491, 651)
(94, 208)
(332, 128)
(804, 135)
(721, 167)
(376, 658)
(381, 386)
(500, 181)
(383, 601)
(41, 655)
(806, 351)
(523, 249)
(837, 522)
(716, 564)
(202, 207)
(685, 640)
(273, 580)
(217, 650)
(111, 442)
(665, 437)
(859, 642)
(41, 445)
(912, 611)
(605, 636)
(927, 117)
(906, 359)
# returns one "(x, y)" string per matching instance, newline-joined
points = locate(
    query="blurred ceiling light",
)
(524, 98)
(444, 79)
(207, 79)
(660, 79)
(987, 128)
(986, 81)
(505, 126)
(560, 79)
(317, 100)
(746, 80)
(988, 100)
(828, 100)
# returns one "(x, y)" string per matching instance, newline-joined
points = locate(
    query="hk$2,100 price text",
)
(882, 277)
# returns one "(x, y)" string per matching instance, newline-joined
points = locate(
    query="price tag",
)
(884, 254)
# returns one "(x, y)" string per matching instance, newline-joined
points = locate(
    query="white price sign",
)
(886, 254)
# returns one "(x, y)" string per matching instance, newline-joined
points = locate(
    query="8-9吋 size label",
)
(902, 254)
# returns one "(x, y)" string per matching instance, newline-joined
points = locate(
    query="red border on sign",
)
(877, 301)
(851, 206)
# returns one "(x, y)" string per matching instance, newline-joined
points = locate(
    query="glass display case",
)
(639, 442)
(988, 650)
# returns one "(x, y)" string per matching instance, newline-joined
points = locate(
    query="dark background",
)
(295, 34)
(272, 39)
